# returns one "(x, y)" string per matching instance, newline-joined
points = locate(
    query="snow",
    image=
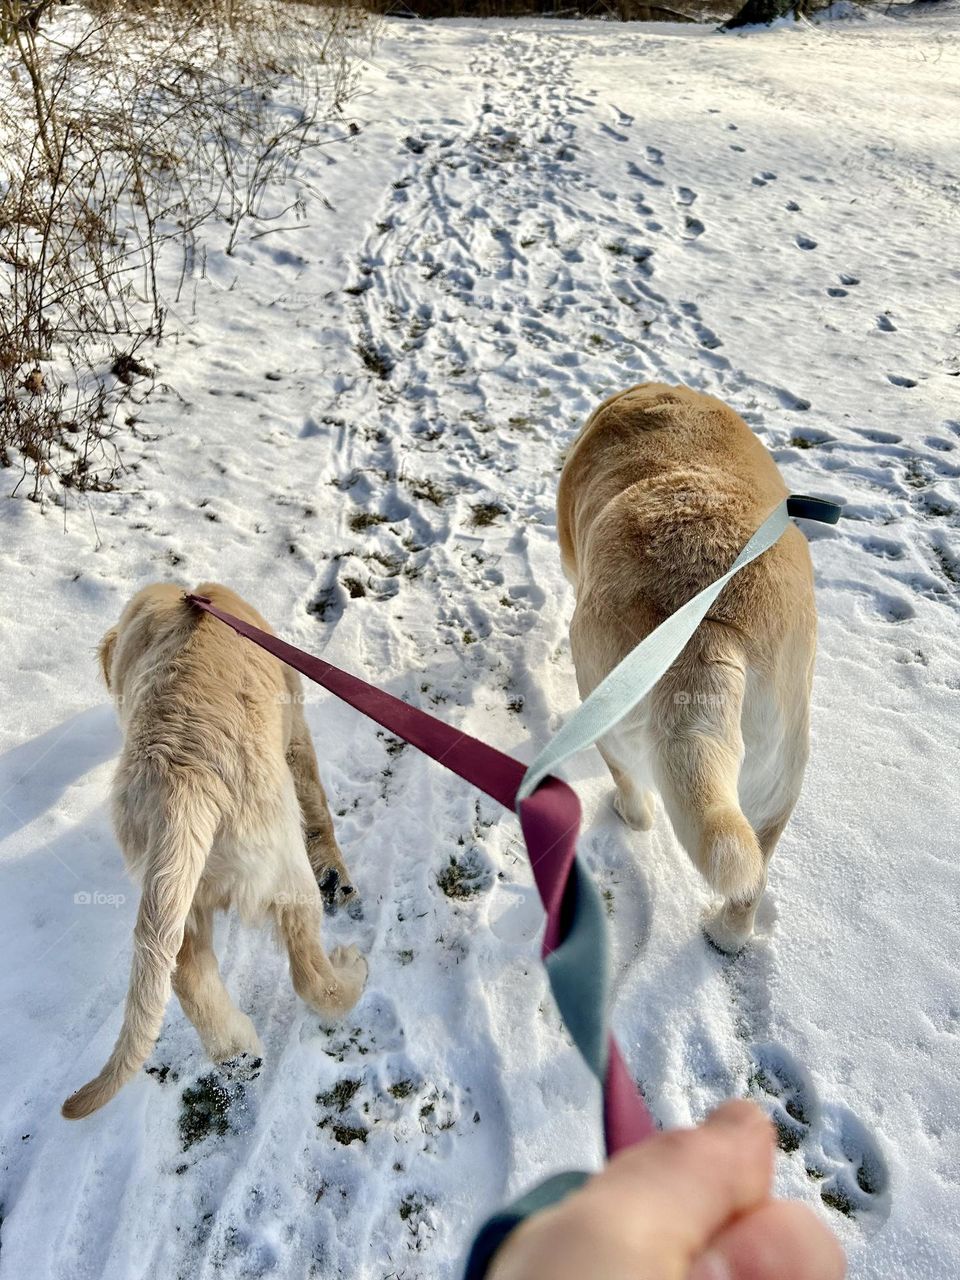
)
(530, 216)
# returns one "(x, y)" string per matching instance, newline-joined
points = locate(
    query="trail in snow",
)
(364, 437)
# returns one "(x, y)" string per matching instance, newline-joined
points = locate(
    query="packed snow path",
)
(362, 433)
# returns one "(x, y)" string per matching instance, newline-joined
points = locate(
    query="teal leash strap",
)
(578, 969)
(640, 670)
(496, 1229)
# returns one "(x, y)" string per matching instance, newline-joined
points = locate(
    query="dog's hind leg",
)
(326, 860)
(623, 748)
(333, 984)
(777, 734)
(732, 925)
(330, 985)
(698, 747)
(633, 800)
(224, 1030)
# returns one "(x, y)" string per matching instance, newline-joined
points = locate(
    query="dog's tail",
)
(175, 860)
(698, 750)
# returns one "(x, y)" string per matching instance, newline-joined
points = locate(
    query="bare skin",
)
(693, 1204)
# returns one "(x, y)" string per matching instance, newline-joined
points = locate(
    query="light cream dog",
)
(658, 495)
(217, 803)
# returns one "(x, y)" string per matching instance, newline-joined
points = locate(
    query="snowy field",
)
(361, 430)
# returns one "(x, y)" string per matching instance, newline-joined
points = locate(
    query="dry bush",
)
(619, 10)
(129, 129)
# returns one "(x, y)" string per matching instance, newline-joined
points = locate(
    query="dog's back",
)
(200, 706)
(659, 493)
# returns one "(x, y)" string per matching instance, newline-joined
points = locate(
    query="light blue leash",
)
(634, 677)
(578, 968)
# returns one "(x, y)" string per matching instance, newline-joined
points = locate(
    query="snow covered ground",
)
(361, 432)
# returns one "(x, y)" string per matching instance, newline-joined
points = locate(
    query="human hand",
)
(691, 1204)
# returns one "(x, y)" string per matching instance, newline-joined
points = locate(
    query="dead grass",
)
(131, 131)
(486, 513)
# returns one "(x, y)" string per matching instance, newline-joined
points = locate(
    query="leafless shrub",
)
(127, 126)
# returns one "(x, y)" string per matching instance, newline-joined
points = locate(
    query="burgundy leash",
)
(574, 950)
(574, 943)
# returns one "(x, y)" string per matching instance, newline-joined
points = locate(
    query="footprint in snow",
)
(804, 242)
(654, 155)
(855, 1178)
(837, 292)
(761, 179)
(894, 608)
(692, 228)
(685, 196)
(885, 324)
(899, 380)
(878, 437)
(372, 1028)
(641, 175)
(789, 1092)
(839, 1151)
(219, 1102)
(792, 206)
(706, 337)
(809, 438)
(849, 280)
(789, 401)
(884, 548)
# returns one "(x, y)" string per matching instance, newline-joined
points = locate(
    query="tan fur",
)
(216, 789)
(658, 494)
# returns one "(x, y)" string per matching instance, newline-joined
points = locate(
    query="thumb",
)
(654, 1208)
(678, 1190)
(779, 1241)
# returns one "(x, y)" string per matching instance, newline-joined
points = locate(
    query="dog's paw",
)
(235, 1037)
(349, 959)
(636, 810)
(335, 889)
(725, 937)
(351, 968)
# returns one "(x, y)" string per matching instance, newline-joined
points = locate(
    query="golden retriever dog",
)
(217, 803)
(659, 494)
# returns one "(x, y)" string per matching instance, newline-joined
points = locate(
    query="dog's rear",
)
(206, 811)
(658, 495)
